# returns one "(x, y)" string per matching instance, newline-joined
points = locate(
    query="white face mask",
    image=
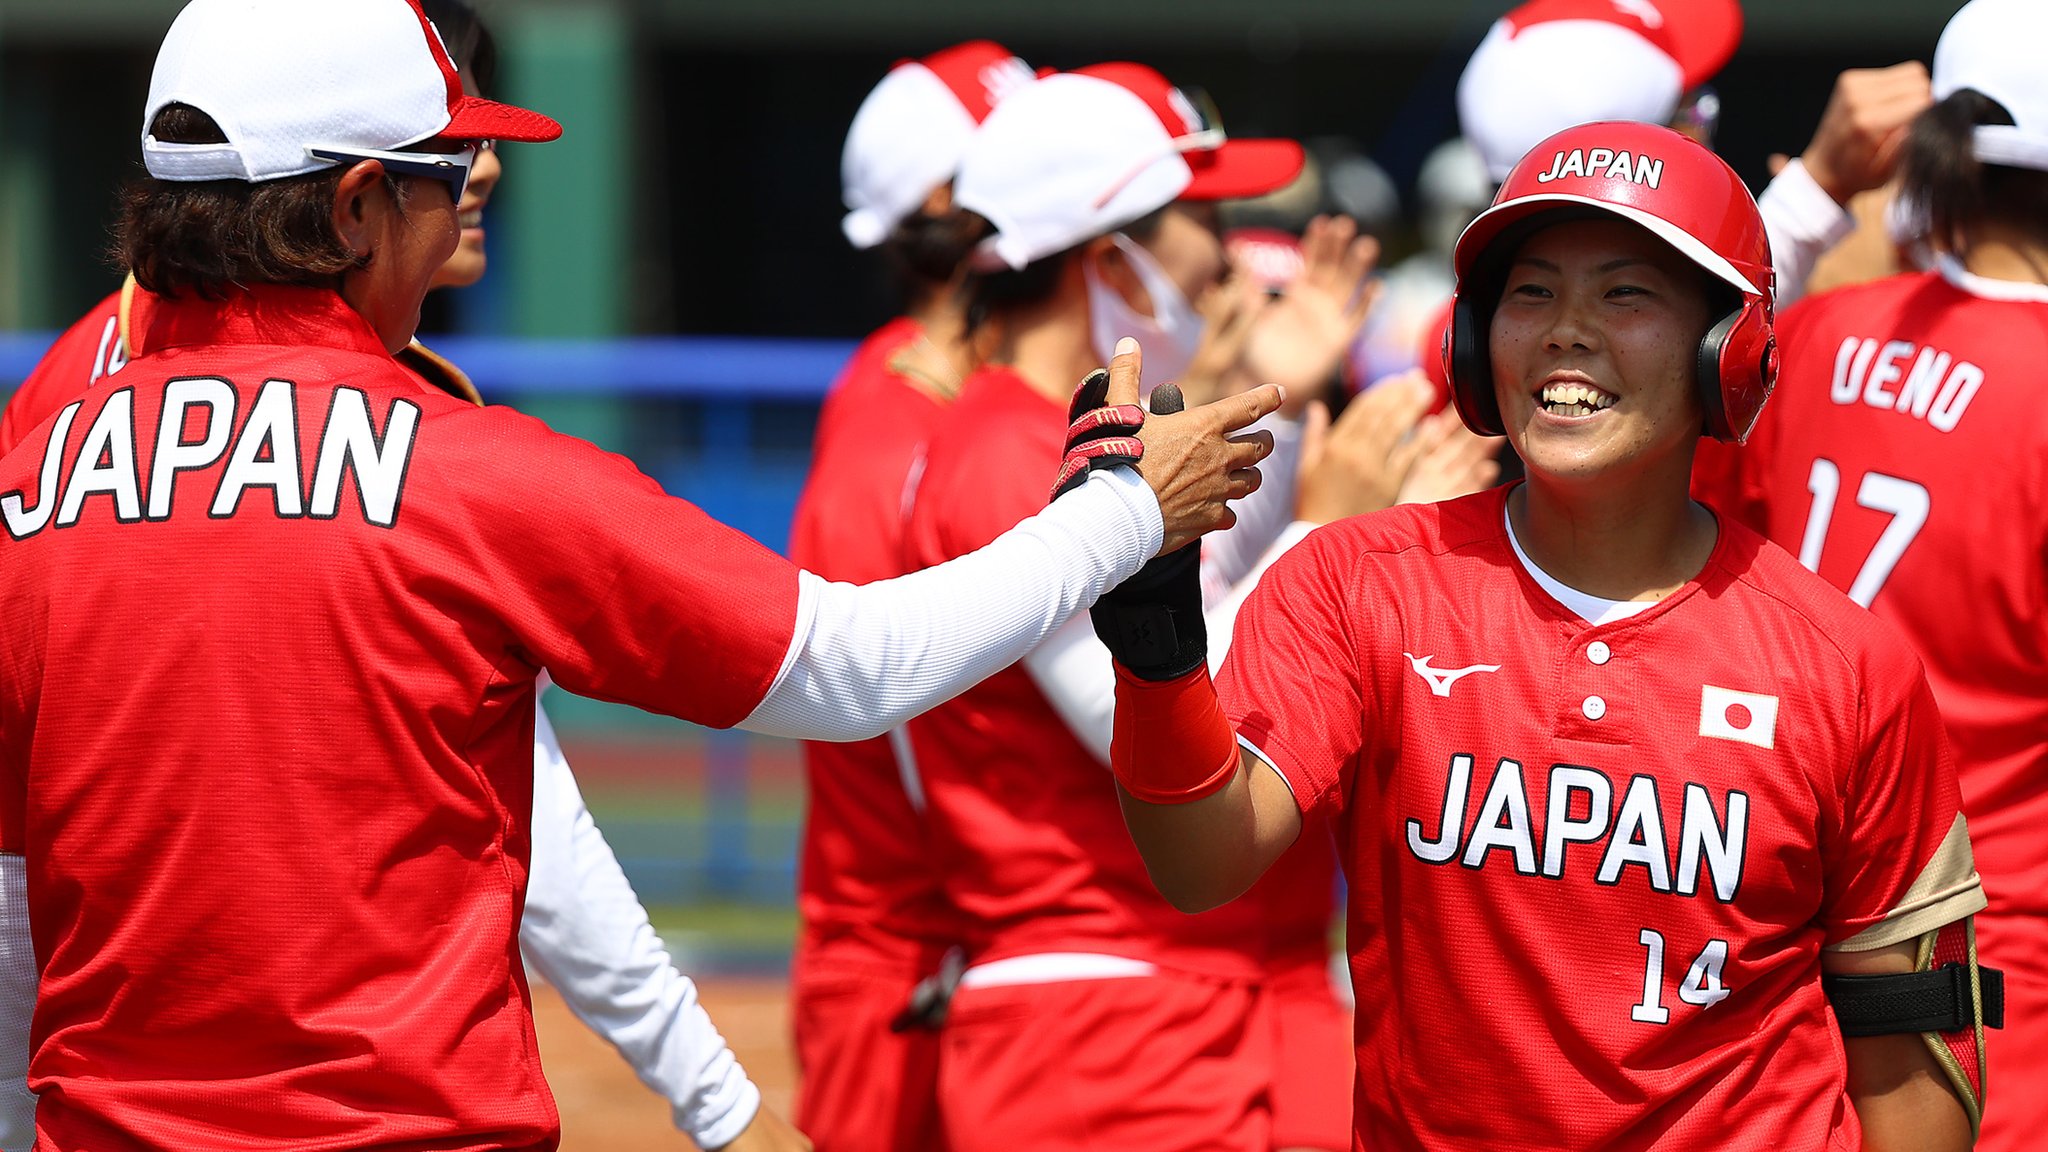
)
(1169, 336)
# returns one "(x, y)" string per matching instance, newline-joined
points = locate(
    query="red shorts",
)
(1163, 1063)
(861, 1087)
(1315, 1068)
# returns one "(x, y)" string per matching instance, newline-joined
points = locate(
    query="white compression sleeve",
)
(17, 1003)
(588, 935)
(1803, 222)
(877, 654)
(1229, 555)
(1072, 668)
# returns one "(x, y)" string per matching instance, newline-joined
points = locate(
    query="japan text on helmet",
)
(1651, 176)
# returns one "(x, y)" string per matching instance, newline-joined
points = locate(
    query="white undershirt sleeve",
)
(1072, 668)
(588, 935)
(1803, 222)
(872, 656)
(17, 1004)
(1229, 556)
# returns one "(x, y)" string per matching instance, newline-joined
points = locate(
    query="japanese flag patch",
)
(1748, 717)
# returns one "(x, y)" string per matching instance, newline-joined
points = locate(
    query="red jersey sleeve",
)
(1905, 867)
(619, 590)
(1293, 681)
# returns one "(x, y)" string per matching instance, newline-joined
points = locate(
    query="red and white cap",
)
(1551, 64)
(1993, 47)
(282, 76)
(909, 134)
(1080, 154)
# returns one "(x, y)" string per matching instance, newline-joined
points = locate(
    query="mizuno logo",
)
(1441, 679)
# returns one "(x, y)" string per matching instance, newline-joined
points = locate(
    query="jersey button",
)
(1595, 708)
(1598, 652)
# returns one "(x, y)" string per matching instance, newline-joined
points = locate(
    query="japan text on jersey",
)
(201, 423)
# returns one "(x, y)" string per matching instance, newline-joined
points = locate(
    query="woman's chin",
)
(464, 268)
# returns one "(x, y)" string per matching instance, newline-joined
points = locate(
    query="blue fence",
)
(724, 422)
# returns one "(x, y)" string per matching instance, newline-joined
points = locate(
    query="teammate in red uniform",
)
(872, 919)
(1905, 459)
(1623, 793)
(582, 927)
(1066, 942)
(272, 612)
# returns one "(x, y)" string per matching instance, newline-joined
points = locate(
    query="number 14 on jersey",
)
(1701, 987)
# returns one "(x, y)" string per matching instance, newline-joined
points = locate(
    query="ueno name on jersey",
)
(1901, 376)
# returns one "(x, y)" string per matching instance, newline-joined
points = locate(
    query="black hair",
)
(209, 236)
(991, 292)
(1941, 177)
(925, 252)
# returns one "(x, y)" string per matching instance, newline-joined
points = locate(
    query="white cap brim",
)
(1494, 219)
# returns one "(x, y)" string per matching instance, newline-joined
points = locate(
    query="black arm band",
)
(1933, 1001)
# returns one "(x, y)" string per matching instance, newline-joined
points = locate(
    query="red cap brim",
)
(1242, 169)
(475, 118)
(1702, 36)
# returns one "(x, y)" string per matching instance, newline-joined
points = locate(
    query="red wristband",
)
(1170, 743)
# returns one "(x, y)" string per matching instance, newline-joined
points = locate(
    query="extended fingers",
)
(1247, 450)
(1246, 408)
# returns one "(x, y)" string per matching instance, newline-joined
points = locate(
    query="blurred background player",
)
(1090, 1014)
(1550, 64)
(582, 927)
(294, 924)
(872, 919)
(1905, 459)
(1614, 784)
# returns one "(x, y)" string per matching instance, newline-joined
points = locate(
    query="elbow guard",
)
(1949, 999)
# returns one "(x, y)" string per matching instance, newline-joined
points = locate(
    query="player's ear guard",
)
(1098, 435)
(1152, 623)
(1949, 1000)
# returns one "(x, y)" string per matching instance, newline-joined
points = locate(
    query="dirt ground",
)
(604, 1106)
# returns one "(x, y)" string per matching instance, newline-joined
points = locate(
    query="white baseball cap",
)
(1553, 64)
(910, 132)
(1080, 154)
(281, 77)
(1992, 46)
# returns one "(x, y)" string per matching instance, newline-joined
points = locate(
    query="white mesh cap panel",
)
(281, 75)
(1522, 88)
(1065, 160)
(906, 140)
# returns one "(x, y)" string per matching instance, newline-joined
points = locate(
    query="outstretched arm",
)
(867, 658)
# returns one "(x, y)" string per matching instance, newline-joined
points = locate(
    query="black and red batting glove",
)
(1098, 435)
(1152, 623)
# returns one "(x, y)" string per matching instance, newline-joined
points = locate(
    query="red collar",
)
(263, 314)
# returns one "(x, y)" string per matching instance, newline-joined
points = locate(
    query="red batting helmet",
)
(1648, 175)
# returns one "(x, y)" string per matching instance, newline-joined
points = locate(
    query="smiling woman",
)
(1597, 762)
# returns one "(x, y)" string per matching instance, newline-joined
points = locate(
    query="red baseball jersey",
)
(1904, 457)
(271, 614)
(1592, 868)
(1031, 841)
(866, 868)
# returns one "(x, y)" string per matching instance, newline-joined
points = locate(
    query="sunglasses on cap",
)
(450, 168)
